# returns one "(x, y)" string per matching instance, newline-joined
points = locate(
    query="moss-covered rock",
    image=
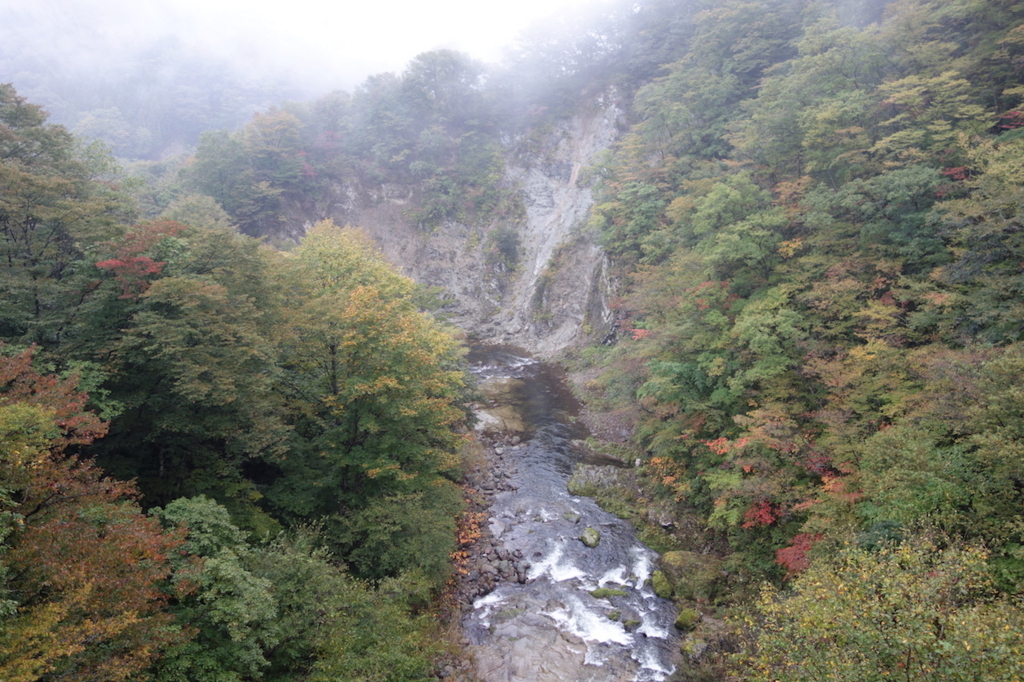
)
(661, 585)
(693, 576)
(687, 619)
(591, 537)
(606, 592)
(694, 648)
(614, 615)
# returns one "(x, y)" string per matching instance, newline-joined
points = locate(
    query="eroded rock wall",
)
(555, 293)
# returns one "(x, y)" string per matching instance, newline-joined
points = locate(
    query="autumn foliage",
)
(87, 570)
(130, 266)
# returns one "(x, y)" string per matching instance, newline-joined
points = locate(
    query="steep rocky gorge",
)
(555, 293)
(537, 602)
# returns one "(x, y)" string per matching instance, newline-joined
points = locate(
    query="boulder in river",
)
(591, 537)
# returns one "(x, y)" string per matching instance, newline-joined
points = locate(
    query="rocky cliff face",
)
(553, 293)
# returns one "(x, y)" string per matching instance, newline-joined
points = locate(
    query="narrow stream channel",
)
(547, 625)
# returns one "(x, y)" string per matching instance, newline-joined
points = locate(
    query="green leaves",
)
(284, 609)
(52, 210)
(373, 385)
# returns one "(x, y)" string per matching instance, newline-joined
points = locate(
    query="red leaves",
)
(794, 558)
(1011, 120)
(130, 267)
(957, 172)
(761, 513)
(132, 272)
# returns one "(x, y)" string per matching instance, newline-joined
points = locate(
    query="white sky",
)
(333, 43)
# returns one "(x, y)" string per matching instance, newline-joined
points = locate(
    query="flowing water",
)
(546, 625)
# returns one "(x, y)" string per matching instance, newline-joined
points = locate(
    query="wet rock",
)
(591, 537)
(694, 648)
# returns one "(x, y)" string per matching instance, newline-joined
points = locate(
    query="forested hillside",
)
(819, 223)
(222, 460)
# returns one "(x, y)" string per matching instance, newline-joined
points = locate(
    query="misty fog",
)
(135, 69)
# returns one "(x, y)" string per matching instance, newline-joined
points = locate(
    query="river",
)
(546, 620)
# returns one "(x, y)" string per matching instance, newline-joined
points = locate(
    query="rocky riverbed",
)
(555, 588)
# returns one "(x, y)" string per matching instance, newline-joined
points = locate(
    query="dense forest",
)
(231, 445)
(244, 391)
(819, 224)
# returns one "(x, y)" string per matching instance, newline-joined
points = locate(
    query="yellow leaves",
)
(872, 615)
(929, 112)
(680, 208)
(377, 471)
(386, 376)
(716, 367)
(334, 258)
(25, 433)
(789, 248)
(38, 638)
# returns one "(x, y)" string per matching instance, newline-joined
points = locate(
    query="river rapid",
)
(543, 620)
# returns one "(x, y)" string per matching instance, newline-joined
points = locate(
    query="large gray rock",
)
(591, 537)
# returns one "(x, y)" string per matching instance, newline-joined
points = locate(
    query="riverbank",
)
(480, 564)
(695, 560)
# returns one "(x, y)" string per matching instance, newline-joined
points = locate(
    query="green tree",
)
(224, 168)
(231, 609)
(195, 364)
(373, 385)
(53, 210)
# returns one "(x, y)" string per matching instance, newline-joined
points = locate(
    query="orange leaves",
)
(90, 573)
(87, 567)
(467, 532)
(836, 486)
(671, 474)
(723, 446)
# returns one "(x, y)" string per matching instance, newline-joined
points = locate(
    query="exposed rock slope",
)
(555, 294)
